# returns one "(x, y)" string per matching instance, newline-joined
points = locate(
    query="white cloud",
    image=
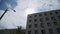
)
(23, 5)
(48, 5)
(12, 19)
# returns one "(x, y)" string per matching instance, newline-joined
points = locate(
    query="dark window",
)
(47, 18)
(30, 16)
(35, 20)
(50, 31)
(45, 14)
(58, 30)
(40, 14)
(51, 13)
(41, 19)
(30, 20)
(36, 32)
(42, 25)
(58, 17)
(55, 23)
(29, 32)
(35, 25)
(35, 15)
(56, 12)
(53, 18)
(43, 31)
(48, 24)
(29, 26)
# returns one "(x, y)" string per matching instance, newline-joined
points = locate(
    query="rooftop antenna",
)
(5, 12)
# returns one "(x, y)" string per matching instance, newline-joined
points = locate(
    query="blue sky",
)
(23, 8)
(4, 4)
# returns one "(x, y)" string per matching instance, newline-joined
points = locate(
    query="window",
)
(45, 14)
(35, 25)
(58, 17)
(36, 32)
(41, 19)
(55, 23)
(30, 20)
(51, 13)
(35, 15)
(29, 32)
(35, 20)
(42, 25)
(56, 12)
(40, 14)
(43, 31)
(47, 18)
(53, 18)
(48, 24)
(30, 16)
(50, 31)
(58, 30)
(30, 26)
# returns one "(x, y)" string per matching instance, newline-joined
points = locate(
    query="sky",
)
(23, 8)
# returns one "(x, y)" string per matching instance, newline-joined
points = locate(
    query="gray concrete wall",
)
(32, 29)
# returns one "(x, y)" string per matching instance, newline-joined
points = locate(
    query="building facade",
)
(8, 31)
(12, 31)
(44, 23)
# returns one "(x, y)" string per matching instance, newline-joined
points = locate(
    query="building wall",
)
(12, 31)
(23, 30)
(8, 31)
(44, 23)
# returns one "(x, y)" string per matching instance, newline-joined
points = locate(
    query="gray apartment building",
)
(8, 31)
(12, 31)
(47, 22)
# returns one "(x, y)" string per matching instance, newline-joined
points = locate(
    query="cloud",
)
(19, 18)
(49, 5)
(4, 4)
(37, 5)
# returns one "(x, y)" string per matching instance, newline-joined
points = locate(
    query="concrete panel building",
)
(8, 31)
(12, 31)
(47, 22)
